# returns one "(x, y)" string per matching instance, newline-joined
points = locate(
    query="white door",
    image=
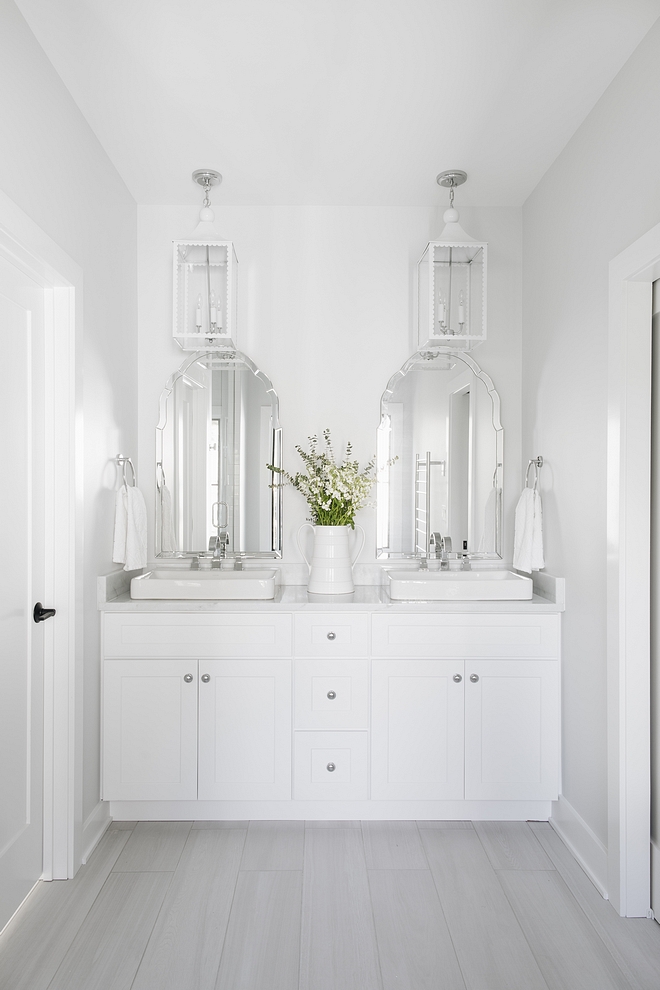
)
(417, 730)
(22, 535)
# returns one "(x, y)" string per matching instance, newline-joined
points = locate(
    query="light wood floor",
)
(327, 906)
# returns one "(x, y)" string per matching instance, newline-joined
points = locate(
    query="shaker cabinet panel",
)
(245, 730)
(331, 694)
(331, 766)
(327, 634)
(150, 730)
(417, 729)
(227, 634)
(512, 730)
(487, 635)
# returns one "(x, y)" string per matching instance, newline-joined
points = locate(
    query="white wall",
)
(600, 195)
(54, 169)
(326, 309)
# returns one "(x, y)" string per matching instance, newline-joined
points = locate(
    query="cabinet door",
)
(149, 730)
(245, 730)
(511, 730)
(417, 729)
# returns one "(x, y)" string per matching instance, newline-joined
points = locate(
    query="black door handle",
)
(40, 613)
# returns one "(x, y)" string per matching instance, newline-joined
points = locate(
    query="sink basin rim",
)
(215, 585)
(459, 586)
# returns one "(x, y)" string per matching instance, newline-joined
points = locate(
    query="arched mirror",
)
(217, 431)
(439, 457)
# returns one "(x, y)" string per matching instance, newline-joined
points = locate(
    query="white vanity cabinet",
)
(331, 706)
(206, 726)
(379, 711)
(472, 727)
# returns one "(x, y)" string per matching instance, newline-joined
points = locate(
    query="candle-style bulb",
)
(198, 313)
(214, 312)
(442, 312)
(461, 309)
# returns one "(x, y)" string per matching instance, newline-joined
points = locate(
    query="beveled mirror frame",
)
(420, 357)
(227, 359)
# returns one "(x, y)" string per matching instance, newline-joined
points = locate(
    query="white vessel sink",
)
(458, 586)
(214, 585)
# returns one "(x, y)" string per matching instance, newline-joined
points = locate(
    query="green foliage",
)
(334, 492)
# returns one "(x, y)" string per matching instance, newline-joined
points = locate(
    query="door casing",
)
(27, 247)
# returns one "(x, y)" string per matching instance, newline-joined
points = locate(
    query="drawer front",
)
(476, 635)
(331, 766)
(153, 634)
(331, 635)
(331, 694)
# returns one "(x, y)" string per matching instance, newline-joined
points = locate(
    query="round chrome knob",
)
(187, 678)
(332, 635)
(458, 678)
(332, 695)
(206, 678)
(331, 767)
(474, 678)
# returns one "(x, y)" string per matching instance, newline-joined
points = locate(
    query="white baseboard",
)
(655, 878)
(94, 827)
(583, 843)
(180, 811)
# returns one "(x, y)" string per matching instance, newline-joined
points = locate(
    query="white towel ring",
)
(538, 464)
(123, 461)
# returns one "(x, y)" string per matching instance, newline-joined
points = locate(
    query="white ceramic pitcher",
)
(331, 568)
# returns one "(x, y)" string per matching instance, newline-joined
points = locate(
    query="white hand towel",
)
(130, 540)
(528, 536)
(119, 540)
(168, 538)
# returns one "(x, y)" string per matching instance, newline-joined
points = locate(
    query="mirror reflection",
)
(218, 429)
(439, 455)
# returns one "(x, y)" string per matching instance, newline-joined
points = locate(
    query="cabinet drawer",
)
(331, 694)
(162, 634)
(485, 635)
(331, 635)
(331, 766)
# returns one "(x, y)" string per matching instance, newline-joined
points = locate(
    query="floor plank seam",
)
(231, 908)
(371, 906)
(442, 909)
(148, 939)
(302, 907)
(627, 977)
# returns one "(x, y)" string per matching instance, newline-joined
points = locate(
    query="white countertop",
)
(294, 598)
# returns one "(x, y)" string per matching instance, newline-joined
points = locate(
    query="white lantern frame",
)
(451, 280)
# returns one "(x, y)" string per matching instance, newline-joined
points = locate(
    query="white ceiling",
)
(336, 101)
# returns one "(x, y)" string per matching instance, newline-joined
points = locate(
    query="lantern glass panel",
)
(451, 293)
(205, 275)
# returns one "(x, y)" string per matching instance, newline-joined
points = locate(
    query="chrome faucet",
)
(439, 547)
(218, 544)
